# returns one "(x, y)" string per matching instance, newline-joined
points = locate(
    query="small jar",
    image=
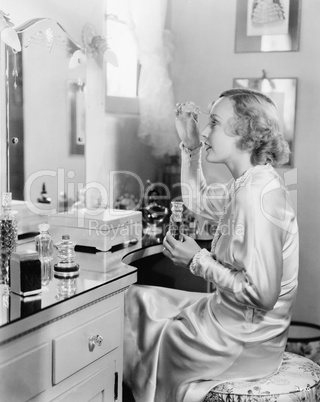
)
(66, 255)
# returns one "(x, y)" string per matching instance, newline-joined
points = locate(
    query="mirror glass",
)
(45, 98)
(267, 26)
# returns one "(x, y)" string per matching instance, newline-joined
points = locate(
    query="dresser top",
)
(100, 274)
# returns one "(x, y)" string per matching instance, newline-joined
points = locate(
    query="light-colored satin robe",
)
(179, 344)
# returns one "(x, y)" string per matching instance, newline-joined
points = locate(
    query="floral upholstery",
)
(297, 380)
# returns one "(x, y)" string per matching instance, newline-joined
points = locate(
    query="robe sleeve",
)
(205, 200)
(251, 266)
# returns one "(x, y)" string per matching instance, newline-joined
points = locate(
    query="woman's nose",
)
(204, 133)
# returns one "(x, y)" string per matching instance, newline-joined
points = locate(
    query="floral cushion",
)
(297, 380)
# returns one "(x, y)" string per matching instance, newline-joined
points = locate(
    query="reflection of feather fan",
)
(267, 11)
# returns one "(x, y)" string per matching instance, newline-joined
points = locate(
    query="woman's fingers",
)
(168, 241)
(166, 253)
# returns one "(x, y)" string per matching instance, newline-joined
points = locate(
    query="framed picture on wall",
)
(267, 26)
(283, 91)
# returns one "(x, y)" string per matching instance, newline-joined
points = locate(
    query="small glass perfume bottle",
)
(176, 220)
(44, 243)
(44, 247)
(66, 255)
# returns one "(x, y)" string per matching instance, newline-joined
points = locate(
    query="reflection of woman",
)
(179, 344)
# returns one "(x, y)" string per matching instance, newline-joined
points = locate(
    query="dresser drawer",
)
(98, 387)
(73, 350)
(26, 375)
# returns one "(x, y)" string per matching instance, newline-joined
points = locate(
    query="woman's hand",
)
(180, 253)
(187, 125)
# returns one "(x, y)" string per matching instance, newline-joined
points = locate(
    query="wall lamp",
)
(8, 34)
(97, 45)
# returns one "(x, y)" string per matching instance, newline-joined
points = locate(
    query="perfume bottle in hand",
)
(176, 220)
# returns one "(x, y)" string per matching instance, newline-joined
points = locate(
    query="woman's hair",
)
(257, 125)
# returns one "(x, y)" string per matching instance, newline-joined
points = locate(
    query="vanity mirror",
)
(44, 120)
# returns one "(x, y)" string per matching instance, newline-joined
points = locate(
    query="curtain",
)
(156, 101)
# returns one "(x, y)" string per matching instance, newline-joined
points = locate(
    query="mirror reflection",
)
(45, 112)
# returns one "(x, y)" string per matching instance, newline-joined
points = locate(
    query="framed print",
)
(267, 26)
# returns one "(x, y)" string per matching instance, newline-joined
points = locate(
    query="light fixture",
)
(267, 85)
(97, 45)
(8, 34)
(78, 58)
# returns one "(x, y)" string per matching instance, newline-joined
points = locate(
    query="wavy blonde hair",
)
(257, 125)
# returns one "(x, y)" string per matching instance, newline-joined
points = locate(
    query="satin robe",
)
(180, 344)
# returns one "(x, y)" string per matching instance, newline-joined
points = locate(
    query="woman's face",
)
(220, 144)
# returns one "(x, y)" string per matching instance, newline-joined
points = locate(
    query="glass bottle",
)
(44, 243)
(67, 285)
(8, 235)
(66, 254)
(46, 272)
(8, 224)
(176, 220)
(44, 247)
(193, 227)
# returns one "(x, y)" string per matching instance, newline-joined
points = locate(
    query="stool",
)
(297, 380)
(304, 340)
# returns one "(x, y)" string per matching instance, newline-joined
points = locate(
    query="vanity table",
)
(66, 344)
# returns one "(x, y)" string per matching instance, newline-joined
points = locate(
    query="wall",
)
(204, 36)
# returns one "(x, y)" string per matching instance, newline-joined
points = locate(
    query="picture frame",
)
(283, 91)
(262, 28)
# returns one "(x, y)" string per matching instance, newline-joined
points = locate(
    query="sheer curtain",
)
(156, 101)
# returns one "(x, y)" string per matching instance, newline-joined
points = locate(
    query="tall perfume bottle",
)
(176, 220)
(44, 247)
(44, 242)
(8, 235)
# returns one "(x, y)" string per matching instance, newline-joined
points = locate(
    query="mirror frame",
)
(4, 146)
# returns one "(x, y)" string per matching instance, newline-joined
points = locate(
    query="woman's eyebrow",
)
(214, 116)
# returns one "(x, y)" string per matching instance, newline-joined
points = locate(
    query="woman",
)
(180, 344)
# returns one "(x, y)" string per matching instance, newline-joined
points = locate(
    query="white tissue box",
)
(102, 231)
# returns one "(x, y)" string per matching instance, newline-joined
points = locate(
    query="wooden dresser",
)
(67, 343)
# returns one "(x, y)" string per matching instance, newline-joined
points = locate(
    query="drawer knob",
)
(95, 340)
